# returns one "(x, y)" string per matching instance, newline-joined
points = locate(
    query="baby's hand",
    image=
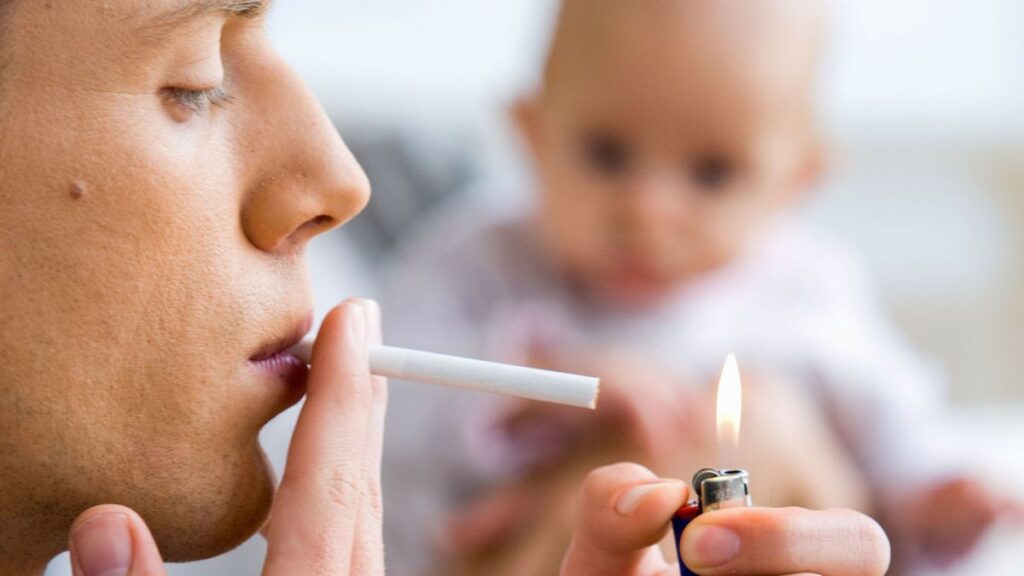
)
(641, 405)
(952, 517)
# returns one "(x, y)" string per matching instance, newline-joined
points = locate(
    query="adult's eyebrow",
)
(192, 9)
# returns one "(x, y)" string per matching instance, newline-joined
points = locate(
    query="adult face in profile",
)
(161, 172)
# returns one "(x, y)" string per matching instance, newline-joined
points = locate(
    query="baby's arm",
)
(886, 403)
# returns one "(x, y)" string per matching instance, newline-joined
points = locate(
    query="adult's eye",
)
(188, 102)
(712, 173)
(606, 154)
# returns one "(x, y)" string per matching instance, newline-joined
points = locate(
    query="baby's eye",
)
(607, 154)
(196, 101)
(712, 173)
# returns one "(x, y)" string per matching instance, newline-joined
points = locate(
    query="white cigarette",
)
(456, 372)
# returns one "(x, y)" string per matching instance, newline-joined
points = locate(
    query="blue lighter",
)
(715, 490)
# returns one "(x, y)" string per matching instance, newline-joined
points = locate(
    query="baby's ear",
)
(524, 112)
(815, 164)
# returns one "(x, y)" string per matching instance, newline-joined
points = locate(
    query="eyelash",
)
(198, 101)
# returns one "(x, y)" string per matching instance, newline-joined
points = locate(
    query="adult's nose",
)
(304, 181)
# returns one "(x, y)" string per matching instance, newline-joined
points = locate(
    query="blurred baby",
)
(672, 143)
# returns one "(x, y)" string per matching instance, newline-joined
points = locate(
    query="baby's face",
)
(657, 164)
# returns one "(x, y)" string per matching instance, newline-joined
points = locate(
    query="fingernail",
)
(710, 546)
(103, 546)
(373, 318)
(631, 499)
(357, 323)
(372, 307)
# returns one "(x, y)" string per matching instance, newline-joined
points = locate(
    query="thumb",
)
(112, 540)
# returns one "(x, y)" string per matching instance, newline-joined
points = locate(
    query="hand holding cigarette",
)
(456, 372)
(326, 513)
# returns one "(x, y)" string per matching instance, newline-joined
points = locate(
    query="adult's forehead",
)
(155, 16)
(115, 15)
(46, 40)
(144, 16)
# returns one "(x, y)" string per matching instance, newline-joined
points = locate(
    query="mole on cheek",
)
(77, 190)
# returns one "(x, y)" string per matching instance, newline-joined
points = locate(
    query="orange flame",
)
(730, 407)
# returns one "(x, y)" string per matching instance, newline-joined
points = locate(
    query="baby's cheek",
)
(725, 242)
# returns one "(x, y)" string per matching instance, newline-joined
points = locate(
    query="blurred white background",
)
(924, 100)
(925, 103)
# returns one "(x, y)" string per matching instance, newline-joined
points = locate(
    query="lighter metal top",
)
(720, 489)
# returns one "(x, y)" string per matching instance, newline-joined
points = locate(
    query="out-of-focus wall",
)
(928, 64)
(924, 100)
(943, 69)
(940, 224)
(424, 61)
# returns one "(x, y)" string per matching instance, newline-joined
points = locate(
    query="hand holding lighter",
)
(715, 490)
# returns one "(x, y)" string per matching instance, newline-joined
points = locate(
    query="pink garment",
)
(796, 303)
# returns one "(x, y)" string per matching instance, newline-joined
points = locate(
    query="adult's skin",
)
(624, 514)
(161, 171)
(624, 510)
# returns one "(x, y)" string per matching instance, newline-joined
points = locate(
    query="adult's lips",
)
(279, 346)
(274, 357)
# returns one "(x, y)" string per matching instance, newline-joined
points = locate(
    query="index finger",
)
(768, 541)
(624, 512)
(329, 475)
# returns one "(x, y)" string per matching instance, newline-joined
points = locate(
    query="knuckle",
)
(373, 501)
(866, 542)
(354, 492)
(342, 490)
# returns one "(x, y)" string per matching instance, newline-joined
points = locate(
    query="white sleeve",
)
(885, 399)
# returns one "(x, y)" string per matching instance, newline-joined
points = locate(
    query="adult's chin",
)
(213, 509)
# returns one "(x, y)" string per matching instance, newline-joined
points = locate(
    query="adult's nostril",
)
(305, 232)
(321, 222)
